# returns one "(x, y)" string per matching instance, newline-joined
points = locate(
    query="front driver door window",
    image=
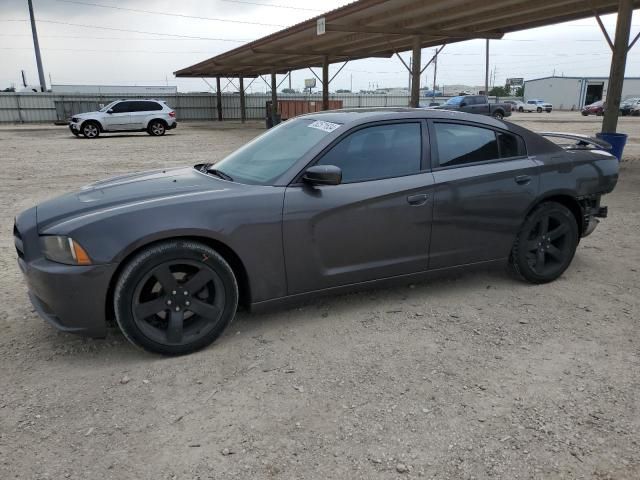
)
(376, 223)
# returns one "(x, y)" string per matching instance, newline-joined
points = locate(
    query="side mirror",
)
(110, 110)
(323, 175)
(463, 104)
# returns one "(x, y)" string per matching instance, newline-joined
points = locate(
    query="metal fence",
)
(51, 107)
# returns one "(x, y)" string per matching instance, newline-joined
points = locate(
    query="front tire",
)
(175, 297)
(157, 128)
(546, 243)
(539, 110)
(90, 130)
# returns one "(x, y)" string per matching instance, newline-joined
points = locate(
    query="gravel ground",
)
(471, 375)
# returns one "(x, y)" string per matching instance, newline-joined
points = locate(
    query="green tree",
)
(499, 92)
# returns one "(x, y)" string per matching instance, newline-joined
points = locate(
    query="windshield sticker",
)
(324, 126)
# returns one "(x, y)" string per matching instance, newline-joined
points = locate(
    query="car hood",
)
(86, 114)
(131, 189)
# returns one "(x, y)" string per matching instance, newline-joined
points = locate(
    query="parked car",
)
(323, 203)
(631, 106)
(537, 106)
(152, 116)
(596, 108)
(478, 104)
(516, 105)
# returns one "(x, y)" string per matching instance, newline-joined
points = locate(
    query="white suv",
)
(152, 116)
(537, 106)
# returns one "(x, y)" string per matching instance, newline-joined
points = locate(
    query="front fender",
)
(248, 224)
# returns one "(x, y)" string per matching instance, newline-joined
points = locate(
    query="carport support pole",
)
(243, 114)
(618, 61)
(219, 99)
(415, 72)
(274, 98)
(325, 83)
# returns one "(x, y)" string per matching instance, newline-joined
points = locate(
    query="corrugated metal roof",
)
(378, 28)
(576, 78)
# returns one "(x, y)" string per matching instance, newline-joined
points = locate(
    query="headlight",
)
(65, 250)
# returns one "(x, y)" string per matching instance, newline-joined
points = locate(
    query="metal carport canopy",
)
(380, 28)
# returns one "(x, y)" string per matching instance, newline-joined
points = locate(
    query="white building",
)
(573, 93)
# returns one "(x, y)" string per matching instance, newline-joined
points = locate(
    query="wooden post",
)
(219, 99)
(618, 61)
(415, 72)
(325, 83)
(243, 114)
(274, 98)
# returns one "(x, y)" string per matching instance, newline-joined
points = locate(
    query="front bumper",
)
(71, 298)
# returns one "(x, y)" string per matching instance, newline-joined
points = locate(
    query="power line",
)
(132, 31)
(106, 38)
(107, 51)
(273, 5)
(152, 12)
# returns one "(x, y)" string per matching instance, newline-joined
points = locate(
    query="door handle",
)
(522, 179)
(417, 200)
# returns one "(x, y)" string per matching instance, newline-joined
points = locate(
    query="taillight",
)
(172, 114)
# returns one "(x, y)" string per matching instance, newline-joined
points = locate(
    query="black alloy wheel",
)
(546, 243)
(175, 298)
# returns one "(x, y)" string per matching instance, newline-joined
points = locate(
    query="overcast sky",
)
(115, 55)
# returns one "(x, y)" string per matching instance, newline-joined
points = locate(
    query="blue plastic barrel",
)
(617, 142)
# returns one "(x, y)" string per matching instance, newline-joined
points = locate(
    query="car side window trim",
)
(435, 160)
(425, 150)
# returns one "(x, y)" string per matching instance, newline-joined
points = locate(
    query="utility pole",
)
(435, 69)
(36, 46)
(486, 70)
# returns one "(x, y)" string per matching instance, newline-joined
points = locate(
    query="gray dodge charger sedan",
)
(324, 202)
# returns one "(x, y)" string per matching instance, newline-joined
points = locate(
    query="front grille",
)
(17, 240)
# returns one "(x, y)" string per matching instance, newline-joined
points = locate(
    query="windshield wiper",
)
(219, 174)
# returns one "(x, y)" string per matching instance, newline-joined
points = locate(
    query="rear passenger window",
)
(150, 106)
(461, 144)
(382, 151)
(510, 145)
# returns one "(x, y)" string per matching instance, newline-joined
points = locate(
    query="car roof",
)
(356, 116)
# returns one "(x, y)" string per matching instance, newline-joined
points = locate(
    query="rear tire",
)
(498, 115)
(156, 128)
(175, 297)
(546, 243)
(521, 110)
(90, 130)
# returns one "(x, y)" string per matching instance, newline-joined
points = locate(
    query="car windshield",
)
(107, 107)
(268, 156)
(454, 101)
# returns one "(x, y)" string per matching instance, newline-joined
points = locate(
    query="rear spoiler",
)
(582, 141)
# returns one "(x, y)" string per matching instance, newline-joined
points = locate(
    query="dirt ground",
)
(468, 376)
